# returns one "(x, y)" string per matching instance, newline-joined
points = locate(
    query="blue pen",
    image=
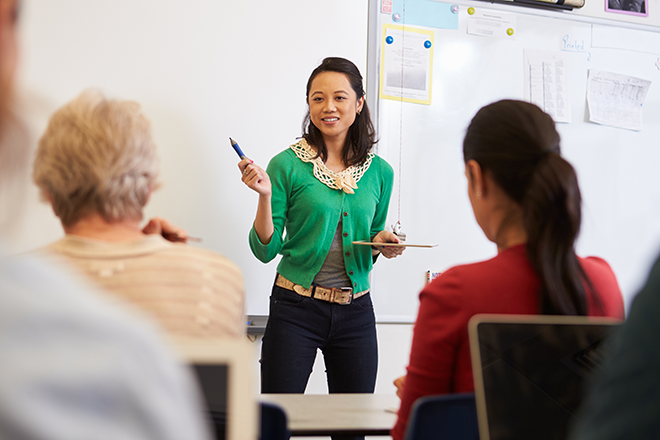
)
(235, 146)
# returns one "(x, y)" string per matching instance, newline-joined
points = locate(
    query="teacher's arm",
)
(257, 179)
(378, 234)
(272, 214)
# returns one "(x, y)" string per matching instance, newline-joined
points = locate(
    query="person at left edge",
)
(326, 191)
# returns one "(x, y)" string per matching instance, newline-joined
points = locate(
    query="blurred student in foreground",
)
(97, 165)
(75, 367)
(625, 401)
(526, 199)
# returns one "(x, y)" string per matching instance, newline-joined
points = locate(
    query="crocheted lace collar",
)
(345, 180)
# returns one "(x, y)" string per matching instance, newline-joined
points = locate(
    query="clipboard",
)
(371, 243)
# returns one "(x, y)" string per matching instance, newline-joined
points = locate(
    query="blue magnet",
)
(389, 40)
(396, 16)
(454, 9)
(427, 44)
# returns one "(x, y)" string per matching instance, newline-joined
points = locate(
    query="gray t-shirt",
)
(333, 271)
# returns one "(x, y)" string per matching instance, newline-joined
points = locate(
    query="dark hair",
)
(517, 143)
(361, 136)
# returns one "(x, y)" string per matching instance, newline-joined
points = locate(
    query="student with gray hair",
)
(97, 165)
(97, 158)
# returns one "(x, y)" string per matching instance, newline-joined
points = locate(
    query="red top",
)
(507, 284)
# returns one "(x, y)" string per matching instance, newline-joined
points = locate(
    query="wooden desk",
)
(328, 414)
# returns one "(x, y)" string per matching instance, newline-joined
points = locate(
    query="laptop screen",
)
(531, 372)
(212, 380)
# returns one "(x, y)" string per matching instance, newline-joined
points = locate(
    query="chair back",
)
(444, 417)
(273, 422)
(530, 371)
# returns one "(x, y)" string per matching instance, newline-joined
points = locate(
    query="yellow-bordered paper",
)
(406, 64)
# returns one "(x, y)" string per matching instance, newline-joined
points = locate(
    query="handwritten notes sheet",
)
(616, 100)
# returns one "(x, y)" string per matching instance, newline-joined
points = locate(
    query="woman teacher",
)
(325, 191)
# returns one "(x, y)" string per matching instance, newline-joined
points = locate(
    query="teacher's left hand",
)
(388, 251)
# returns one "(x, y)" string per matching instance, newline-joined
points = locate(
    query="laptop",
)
(531, 372)
(224, 370)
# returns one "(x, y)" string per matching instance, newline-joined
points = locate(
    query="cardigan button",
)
(355, 284)
(348, 254)
(345, 214)
(345, 234)
(350, 272)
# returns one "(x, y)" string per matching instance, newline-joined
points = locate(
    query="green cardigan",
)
(309, 211)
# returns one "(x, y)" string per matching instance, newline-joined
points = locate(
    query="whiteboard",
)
(203, 70)
(617, 169)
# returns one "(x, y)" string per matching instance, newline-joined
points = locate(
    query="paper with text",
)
(616, 100)
(546, 82)
(406, 64)
(492, 24)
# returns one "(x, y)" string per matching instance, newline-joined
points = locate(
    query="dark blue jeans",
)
(299, 326)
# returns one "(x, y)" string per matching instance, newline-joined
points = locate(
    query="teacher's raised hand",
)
(255, 177)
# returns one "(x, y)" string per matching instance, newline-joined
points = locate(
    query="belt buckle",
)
(300, 290)
(350, 295)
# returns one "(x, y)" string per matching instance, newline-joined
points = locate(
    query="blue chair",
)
(445, 417)
(273, 423)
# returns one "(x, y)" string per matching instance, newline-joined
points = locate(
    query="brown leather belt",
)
(338, 295)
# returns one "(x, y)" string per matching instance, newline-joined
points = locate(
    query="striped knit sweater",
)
(191, 292)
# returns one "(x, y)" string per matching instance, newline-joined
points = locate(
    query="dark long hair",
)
(517, 143)
(361, 136)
